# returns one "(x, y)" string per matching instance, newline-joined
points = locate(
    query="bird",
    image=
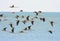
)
(5, 20)
(43, 19)
(12, 30)
(12, 6)
(25, 29)
(13, 12)
(21, 31)
(21, 10)
(4, 29)
(24, 21)
(1, 15)
(36, 13)
(29, 27)
(22, 16)
(0, 19)
(32, 22)
(36, 17)
(39, 11)
(27, 18)
(51, 23)
(50, 31)
(11, 25)
(17, 16)
(17, 22)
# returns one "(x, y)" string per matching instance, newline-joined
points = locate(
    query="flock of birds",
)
(24, 21)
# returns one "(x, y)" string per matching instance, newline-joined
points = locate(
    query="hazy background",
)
(30, 5)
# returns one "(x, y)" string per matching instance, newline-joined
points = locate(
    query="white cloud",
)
(30, 5)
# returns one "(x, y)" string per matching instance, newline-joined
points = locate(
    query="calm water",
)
(39, 30)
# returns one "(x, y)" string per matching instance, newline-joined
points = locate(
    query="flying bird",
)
(17, 22)
(39, 11)
(32, 22)
(27, 18)
(13, 12)
(36, 17)
(24, 21)
(21, 10)
(52, 23)
(50, 31)
(4, 29)
(17, 16)
(11, 25)
(22, 16)
(43, 19)
(36, 13)
(12, 30)
(12, 6)
(29, 27)
(0, 19)
(21, 31)
(25, 29)
(1, 15)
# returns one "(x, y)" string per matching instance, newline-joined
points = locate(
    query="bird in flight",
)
(52, 23)
(12, 6)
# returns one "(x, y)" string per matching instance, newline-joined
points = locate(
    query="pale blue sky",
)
(31, 5)
(38, 32)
